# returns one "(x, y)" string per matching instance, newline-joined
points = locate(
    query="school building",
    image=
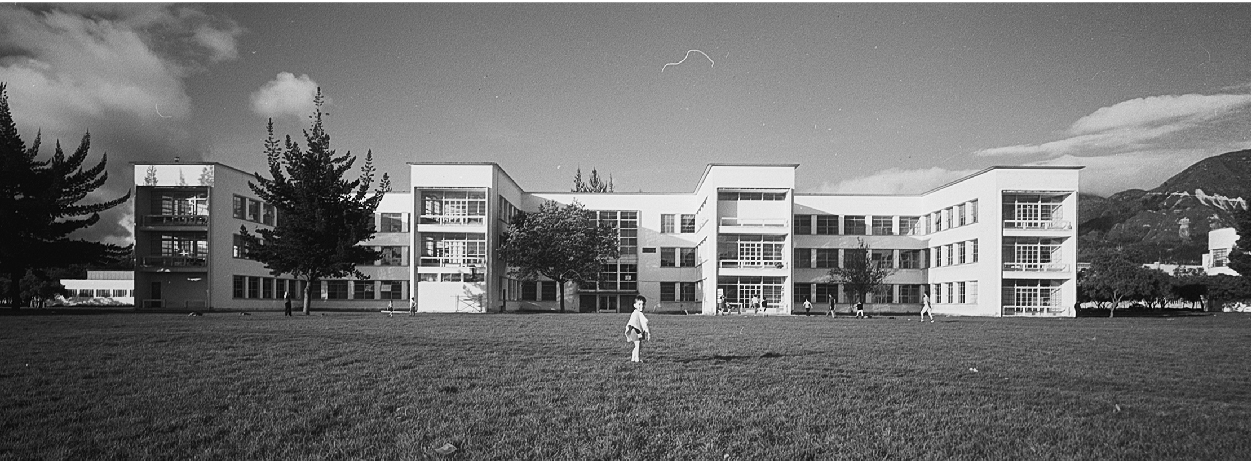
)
(1000, 242)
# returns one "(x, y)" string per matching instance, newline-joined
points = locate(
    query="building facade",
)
(1220, 243)
(1001, 242)
(101, 288)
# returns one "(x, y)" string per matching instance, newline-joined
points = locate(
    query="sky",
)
(866, 98)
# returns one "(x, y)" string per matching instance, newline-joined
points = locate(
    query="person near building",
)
(926, 308)
(636, 329)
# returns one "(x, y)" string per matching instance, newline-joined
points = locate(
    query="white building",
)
(998, 242)
(1220, 243)
(115, 288)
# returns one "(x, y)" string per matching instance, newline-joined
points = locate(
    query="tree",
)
(596, 185)
(564, 244)
(39, 206)
(1223, 288)
(322, 216)
(860, 274)
(1190, 287)
(1240, 256)
(1113, 278)
(38, 286)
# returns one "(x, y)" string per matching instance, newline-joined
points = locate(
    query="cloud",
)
(897, 181)
(1107, 175)
(286, 95)
(115, 70)
(1141, 124)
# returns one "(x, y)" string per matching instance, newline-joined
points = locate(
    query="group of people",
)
(412, 305)
(926, 308)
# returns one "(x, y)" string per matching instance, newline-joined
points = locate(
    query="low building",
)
(999, 242)
(111, 288)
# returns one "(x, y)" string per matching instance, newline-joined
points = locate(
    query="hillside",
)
(1170, 222)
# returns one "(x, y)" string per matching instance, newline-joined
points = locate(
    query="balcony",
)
(171, 221)
(1059, 225)
(452, 262)
(761, 264)
(167, 263)
(1037, 267)
(452, 220)
(755, 225)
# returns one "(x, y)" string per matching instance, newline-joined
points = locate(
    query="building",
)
(113, 288)
(1220, 243)
(995, 243)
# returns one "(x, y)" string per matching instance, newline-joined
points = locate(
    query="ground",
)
(560, 386)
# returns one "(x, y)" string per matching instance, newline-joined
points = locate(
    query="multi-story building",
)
(998, 242)
(1220, 243)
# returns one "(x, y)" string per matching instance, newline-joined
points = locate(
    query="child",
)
(636, 329)
(926, 308)
(807, 307)
(860, 309)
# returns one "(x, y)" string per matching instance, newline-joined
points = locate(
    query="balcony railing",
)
(776, 264)
(175, 220)
(453, 261)
(1037, 267)
(762, 222)
(1016, 309)
(1037, 224)
(173, 262)
(454, 220)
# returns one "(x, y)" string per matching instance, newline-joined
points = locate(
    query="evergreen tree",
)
(596, 185)
(565, 244)
(322, 216)
(39, 206)
(1240, 255)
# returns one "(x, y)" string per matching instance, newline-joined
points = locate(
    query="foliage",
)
(230, 387)
(1224, 288)
(38, 286)
(322, 216)
(1113, 278)
(596, 185)
(564, 244)
(1240, 257)
(1191, 288)
(859, 273)
(39, 206)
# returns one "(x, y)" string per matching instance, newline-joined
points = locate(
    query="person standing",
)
(636, 329)
(412, 305)
(926, 308)
(755, 304)
(807, 307)
(831, 312)
(286, 305)
(721, 308)
(859, 309)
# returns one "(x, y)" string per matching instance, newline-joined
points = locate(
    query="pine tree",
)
(322, 216)
(39, 206)
(595, 185)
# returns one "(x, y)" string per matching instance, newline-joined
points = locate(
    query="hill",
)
(1171, 222)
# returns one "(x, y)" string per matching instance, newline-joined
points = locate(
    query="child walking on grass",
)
(636, 329)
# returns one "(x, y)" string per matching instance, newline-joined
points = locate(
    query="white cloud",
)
(897, 181)
(1143, 112)
(1107, 175)
(286, 95)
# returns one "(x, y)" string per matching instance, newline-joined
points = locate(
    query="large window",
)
(1032, 296)
(363, 290)
(392, 290)
(337, 290)
(909, 226)
(750, 196)
(854, 225)
(827, 258)
(393, 255)
(1034, 212)
(827, 225)
(911, 259)
(884, 293)
(239, 284)
(254, 287)
(803, 258)
(688, 223)
(826, 293)
(180, 203)
(626, 222)
(666, 223)
(453, 249)
(671, 257)
(883, 258)
(237, 249)
(453, 207)
(548, 290)
(910, 293)
(615, 277)
(677, 291)
(240, 206)
(803, 224)
(391, 223)
(750, 250)
(883, 226)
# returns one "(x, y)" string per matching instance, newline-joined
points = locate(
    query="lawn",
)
(551, 386)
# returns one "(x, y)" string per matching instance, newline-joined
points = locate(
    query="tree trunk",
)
(562, 295)
(15, 289)
(308, 290)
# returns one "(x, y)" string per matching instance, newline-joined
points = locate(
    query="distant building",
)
(115, 288)
(999, 242)
(1220, 243)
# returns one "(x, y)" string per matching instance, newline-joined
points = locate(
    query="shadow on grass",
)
(727, 358)
(62, 311)
(1139, 313)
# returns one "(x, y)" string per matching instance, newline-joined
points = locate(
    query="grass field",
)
(550, 386)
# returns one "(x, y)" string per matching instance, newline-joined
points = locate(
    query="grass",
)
(550, 386)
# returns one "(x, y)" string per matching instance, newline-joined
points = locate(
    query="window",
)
(803, 258)
(961, 215)
(549, 290)
(883, 258)
(452, 249)
(686, 256)
(950, 253)
(119, 293)
(688, 223)
(337, 290)
(627, 224)
(267, 214)
(973, 251)
(803, 291)
(240, 208)
(267, 288)
(254, 210)
(910, 293)
(104, 293)
(910, 259)
(827, 225)
(854, 226)
(668, 257)
(677, 291)
(884, 293)
(615, 277)
(909, 226)
(973, 211)
(666, 223)
(750, 196)
(507, 211)
(530, 290)
(803, 224)
(84, 293)
(883, 226)
(454, 207)
(826, 293)
(938, 221)
(240, 285)
(960, 252)
(960, 292)
(391, 290)
(363, 290)
(827, 258)
(254, 287)
(237, 249)
(947, 217)
(392, 223)
(393, 256)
